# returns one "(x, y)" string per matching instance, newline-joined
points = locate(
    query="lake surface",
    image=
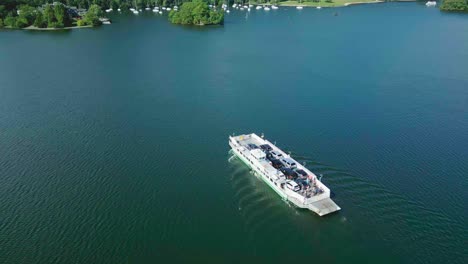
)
(114, 141)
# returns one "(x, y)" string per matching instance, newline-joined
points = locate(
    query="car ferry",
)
(287, 177)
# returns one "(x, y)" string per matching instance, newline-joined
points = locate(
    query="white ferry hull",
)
(320, 203)
(274, 187)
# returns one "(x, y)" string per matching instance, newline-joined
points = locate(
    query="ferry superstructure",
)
(288, 178)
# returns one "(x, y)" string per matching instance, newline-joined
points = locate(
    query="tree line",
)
(198, 13)
(23, 15)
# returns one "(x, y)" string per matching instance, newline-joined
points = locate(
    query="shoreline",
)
(334, 4)
(361, 3)
(33, 28)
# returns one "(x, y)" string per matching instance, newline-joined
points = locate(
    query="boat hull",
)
(320, 203)
(260, 174)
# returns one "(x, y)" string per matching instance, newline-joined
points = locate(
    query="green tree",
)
(114, 5)
(40, 22)
(61, 16)
(196, 13)
(27, 13)
(21, 22)
(10, 20)
(92, 16)
(3, 11)
(49, 15)
(454, 5)
(1, 23)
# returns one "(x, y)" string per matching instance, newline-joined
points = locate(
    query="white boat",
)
(250, 6)
(106, 22)
(168, 9)
(147, 9)
(119, 9)
(160, 12)
(227, 11)
(248, 9)
(135, 12)
(234, 5)
(163, 8)
(176, 7)
(245, 7)
(299, 7)
(132, 9)
(109, 10)
(288, 178)
(319, 7)
(431, 3)
(266, 8)
(140, 10)
(258, 7)
(155, 10)
(274, 7)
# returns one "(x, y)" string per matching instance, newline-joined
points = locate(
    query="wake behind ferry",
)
(287, 177)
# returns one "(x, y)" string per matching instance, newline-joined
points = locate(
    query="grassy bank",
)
(52, 29)
(332, 3)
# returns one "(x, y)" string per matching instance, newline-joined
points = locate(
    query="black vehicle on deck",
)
(276, 164)
(266, 147)
(301, 172)
(289, 173)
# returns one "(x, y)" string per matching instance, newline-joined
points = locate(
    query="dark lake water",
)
(113, 141)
